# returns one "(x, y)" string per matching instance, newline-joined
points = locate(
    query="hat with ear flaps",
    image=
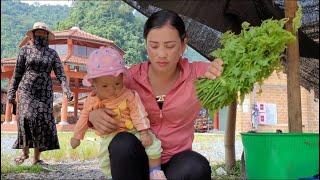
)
(42, 26)
(105, 61)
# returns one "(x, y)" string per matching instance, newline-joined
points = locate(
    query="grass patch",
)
(21, 169)
(234, 173)
(86, 150)
(211, 137)
(207, 137)
(7, 166)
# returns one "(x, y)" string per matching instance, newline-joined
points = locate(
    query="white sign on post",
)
(267, 113)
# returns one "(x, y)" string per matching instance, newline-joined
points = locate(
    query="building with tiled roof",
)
(83, 44)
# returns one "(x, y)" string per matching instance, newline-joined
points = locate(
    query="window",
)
(82, 51)
(61, 49)
(79, 51)
(90, 50)
(82, 68)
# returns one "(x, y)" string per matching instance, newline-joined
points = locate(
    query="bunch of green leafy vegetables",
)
(248, 57)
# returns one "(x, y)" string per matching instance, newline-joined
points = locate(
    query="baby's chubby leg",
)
(104, 155)
(153, 163)
(155, 169)
(154, 154)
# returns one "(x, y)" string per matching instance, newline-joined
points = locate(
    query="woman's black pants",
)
(128, 160)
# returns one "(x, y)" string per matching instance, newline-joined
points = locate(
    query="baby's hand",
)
(146, 138)
(74, 143)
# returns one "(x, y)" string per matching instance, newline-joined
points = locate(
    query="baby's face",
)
(108, 87)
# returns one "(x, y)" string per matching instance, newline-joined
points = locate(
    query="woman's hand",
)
(145, 138)
(215, 69)
(102, 120)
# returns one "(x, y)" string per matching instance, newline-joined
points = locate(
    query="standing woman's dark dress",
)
(36, 125)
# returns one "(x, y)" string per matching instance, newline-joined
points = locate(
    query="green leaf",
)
(296, 22)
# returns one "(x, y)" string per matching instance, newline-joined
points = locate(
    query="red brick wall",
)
(274, 90)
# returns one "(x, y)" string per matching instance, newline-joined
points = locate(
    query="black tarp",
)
(206, 19)
(223, 15)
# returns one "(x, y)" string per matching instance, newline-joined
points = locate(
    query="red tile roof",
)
(76, 33)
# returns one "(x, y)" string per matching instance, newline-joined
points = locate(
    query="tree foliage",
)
(17, 18)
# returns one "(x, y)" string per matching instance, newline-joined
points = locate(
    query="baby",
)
(105, 71)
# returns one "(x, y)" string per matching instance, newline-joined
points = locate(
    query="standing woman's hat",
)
(42, 26)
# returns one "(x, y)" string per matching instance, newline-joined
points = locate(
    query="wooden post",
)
(229, 138)
(293, 73)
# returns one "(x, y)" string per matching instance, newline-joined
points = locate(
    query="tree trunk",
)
(230, 157)
(293, 72)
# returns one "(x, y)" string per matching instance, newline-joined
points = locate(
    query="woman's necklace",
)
(161, 89)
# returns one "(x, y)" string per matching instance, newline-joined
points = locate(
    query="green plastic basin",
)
(281, 155)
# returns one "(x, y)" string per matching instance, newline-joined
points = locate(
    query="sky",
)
(49, 2)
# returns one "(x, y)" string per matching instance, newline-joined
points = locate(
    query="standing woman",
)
(36, 125)
(165, 84)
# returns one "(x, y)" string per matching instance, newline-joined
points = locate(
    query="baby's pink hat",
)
(103, 62)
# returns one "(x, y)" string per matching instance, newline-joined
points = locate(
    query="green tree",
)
(18, 17)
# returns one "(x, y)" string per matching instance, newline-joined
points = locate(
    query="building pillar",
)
(14, 119)
(14, 116)
(76, 95)
(70, 47)
(64, 103)
(64, 110)
(8, 113)
(75, 105)
(216, 121)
